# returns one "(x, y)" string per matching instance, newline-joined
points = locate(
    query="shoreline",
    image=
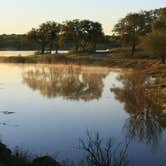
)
(82, 59)
(150, 67)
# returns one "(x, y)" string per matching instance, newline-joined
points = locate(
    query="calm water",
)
(46, 109)
(24, 53)
(15, 53)
(28, 53)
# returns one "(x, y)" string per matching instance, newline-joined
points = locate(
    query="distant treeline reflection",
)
(69, 82)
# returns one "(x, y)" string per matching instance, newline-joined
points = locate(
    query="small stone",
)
(45, 161)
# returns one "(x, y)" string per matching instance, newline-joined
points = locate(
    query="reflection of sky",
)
(8, 74)
(49, 125)
(18, 16)
(43, 125)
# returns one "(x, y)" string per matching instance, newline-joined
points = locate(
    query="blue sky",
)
(19, 16)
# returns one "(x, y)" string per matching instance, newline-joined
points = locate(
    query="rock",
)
(2, 164)
(45, 161)
(5, 153)
(163, 85)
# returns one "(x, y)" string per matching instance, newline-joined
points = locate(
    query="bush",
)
(155, 44)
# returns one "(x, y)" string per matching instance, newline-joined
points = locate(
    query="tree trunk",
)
(133, 45)
(133, 49)
(76, 48)
(163, 59)
(94, 47)
(56, 50)
(42, 50)
(57, 47)
(51, 46)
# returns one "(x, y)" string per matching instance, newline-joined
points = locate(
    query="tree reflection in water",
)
(142, 100)
(69, 82)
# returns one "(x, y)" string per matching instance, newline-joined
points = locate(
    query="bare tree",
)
(98, 153)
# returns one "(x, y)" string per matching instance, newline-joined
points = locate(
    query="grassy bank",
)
(151, 66)
(115, 59)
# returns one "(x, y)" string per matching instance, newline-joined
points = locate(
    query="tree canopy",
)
(45, 35)
(155, 42)
(135, 25)
(84, 34)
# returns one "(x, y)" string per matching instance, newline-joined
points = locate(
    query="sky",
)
(19, 16)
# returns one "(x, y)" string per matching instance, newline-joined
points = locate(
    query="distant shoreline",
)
(90, 59)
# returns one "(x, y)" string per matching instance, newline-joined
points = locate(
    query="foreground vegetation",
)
(96, 153)
(18, 158)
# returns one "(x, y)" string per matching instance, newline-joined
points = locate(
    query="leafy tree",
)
(160, 23)
(129, 28)
(155, 44)
(72, 33)
(149, 18)
(16, 42)
(40, 37)
(84, 34)
(133, 26)
(53, 35)
(92, 34)
(45, 35)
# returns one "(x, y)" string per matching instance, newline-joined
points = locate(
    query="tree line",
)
(84, 35)
(16, 42)
(76, 35)
(146, 29)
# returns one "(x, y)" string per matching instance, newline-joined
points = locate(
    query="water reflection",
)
(142, 100)
(70, 82)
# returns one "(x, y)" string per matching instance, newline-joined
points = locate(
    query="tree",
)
(92, 34)
(84, 34)
(129, 28)
(99, 153)
(149, 18)
(72, 33)
(160, 23)
(40, 36)
(155, 44)
(45, 35)
(53, 35)
(133, 26)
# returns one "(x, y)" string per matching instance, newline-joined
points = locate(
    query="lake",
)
(29, 53)
(46, 109)
(16, 53)
(24, 53)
